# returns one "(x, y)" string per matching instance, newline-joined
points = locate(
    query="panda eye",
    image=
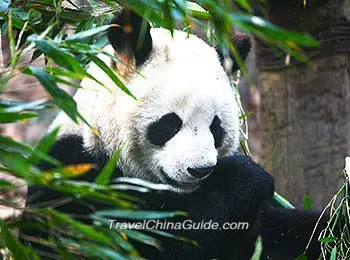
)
(164, 129)
(217, 131)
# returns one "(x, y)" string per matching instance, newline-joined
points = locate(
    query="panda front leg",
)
(285, 232)
(234, 193)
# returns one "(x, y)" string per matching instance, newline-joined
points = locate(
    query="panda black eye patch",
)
(217, 131)
(162, 130)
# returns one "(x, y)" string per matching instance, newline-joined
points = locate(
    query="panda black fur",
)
(183, 132)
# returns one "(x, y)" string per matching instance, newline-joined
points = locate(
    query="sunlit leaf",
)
(75, 170)
(80, 48)
(258, 249)
(333, 254)
(21, 106)
(4, 5)
(280, 201)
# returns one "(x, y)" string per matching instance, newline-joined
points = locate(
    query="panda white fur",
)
(183, 132)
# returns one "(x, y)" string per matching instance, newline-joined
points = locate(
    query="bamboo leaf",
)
(327, 239)
(13, 117)
(173, 236)
(307, 202)
(64, 219)
(15, 163)
(6, 185)
(34, 17)
(303, 256)
(65, 73)
(75, 170)
(62, 58)
(11, 146)
(127, 214)
(65, 82)
(88, 33)
(142, 237)
(281, 201)
(111, 74)
(245, 4)
(258, 249)
(105, 175)
(81, 47)
(20, 106)
(44, 146)
(95, 251)
(4, 5)
(18, 251)
(333, 254)
(12, 42)
(272, 33)
(61, 98)
(102, 194)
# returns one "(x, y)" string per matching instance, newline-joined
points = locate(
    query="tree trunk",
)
(306, 109)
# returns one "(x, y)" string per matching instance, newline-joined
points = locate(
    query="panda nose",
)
(200, 172)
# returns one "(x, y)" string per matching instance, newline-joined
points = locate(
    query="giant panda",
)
(182, 133)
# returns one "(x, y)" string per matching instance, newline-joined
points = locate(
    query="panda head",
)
(186, 116)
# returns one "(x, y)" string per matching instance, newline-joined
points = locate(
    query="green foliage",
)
(307, 202)
(335, 238)
(258, 249)
(39, 27)
(17, 249)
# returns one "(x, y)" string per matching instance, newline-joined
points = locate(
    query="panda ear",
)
(243, 44)
(131, 36)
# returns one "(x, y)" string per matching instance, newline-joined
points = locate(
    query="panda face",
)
(186, 121)
(186, 116)
(185, 176)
